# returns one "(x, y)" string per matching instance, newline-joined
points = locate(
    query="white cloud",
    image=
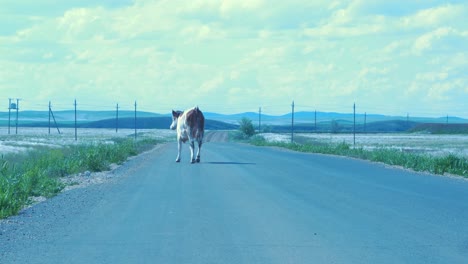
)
(238, 54)
(373, 71)
(434, 17)
(394, 46)
(432, 76)
(212, 84)
(230, 6)
(428, 40)
(194, 33)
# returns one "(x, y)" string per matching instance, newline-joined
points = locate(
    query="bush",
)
(246, 127)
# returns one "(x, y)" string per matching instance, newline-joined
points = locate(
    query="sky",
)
(394, 57)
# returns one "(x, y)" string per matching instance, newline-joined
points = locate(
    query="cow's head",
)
(175, 118)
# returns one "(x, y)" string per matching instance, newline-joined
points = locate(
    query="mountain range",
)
(303, 121)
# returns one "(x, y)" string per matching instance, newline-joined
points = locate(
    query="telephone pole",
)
(117, 118)
(292, 123)
(9, 114)
(50, 109)
(354, 124)
(365, 122)
(315, 121)
(259, 119)
(17, 109)
(135, 120)
(76, 132)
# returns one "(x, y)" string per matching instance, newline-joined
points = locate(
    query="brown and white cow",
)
(190, 126)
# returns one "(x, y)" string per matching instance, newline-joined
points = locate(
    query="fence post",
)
(292, 123)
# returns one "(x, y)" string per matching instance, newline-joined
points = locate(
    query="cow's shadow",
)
(230, 163)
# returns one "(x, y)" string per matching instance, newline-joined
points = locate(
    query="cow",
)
(190, 126)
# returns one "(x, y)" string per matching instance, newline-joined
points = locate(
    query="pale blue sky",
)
(390, 57)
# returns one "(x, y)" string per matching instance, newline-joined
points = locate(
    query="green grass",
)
(37, 172)
(451, 164)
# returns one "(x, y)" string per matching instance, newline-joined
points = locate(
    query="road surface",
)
(245, 204)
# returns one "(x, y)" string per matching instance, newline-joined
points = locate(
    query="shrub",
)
(246, 127)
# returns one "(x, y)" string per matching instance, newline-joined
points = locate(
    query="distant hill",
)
(153, 123)
(433, 128)
(303, 121)
(309, 117)
(127, 122)
(69, 115)
(345, 126)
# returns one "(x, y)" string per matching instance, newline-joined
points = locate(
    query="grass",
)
(450, 164)
(37, 172)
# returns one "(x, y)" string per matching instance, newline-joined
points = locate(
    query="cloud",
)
(434, 17)
(197, 33)
(211, 84)
(236, 54)
(442, 38)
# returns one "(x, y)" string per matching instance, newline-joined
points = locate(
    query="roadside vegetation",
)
(451, 164)
(246, 130)
(37, 172)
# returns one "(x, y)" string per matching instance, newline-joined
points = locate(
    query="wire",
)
(26, 104)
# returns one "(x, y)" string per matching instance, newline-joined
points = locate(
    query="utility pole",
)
(50, 109)
(9, 114)
(76, 132)
(135, 120)
(259, 119)
(315, 121)
(354, 124)
(17, 109)
(117, 118)
(292, 123)
(365, 122)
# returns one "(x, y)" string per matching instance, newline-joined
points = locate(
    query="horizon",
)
(233, 56)
(326, 113)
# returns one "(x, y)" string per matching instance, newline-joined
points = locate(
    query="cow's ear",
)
(174, 113)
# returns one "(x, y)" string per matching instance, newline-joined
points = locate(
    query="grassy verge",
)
(438, 165)
(37, 172)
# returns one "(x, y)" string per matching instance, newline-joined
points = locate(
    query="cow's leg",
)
(179, 148)
(199, 148)
(192, 146)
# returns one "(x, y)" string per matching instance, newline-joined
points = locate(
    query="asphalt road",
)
(245, 204)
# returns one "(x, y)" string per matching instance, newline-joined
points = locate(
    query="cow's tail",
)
(200, 122)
